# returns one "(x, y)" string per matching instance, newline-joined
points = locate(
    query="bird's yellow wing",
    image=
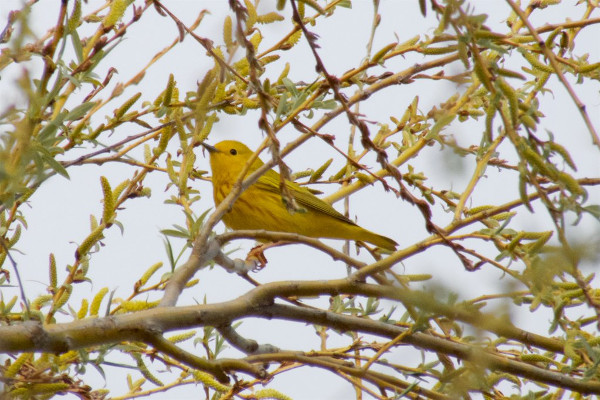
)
(270, 182)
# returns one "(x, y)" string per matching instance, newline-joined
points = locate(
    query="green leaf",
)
(282, 107)
(327, 104)
(48, 159)
(175, 233)
(594, 210)
(56, 166)
(77, 46)
(48, 132)
(170, 255)
(290, 86)
(80, 111)
(439, 125)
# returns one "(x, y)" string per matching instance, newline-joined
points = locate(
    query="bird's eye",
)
(233, 152)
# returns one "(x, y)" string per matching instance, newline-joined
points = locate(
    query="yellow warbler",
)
(261, 205)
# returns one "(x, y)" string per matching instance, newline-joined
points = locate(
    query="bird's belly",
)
(261, 210)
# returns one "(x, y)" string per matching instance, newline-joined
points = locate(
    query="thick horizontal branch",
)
(244, 345)
(30, 336)
(145, 326)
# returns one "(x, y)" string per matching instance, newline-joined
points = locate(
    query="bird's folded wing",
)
(270, 182)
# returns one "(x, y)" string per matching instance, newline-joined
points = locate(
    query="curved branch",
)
(145, 325)
(189, 359)
(244, 345)
(32, 336)
(200, 256)
(291, 237)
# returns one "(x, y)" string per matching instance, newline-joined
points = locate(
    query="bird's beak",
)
(209, 148)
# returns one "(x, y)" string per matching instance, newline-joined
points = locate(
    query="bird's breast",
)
(220, 191)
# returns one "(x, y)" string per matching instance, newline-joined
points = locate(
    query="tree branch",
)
(145, 325)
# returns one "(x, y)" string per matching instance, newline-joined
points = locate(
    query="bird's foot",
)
(257, 256)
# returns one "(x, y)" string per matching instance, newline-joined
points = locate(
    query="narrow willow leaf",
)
(80, 111)
(440, 124)
(76, 41)
(51, 162)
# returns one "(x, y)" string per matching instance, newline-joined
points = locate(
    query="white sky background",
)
(58, 215)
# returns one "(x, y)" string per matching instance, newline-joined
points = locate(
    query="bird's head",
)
(228, 158)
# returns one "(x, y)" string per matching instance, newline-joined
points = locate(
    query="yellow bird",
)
(261, 205)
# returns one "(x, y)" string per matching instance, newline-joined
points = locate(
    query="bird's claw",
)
(257, 257)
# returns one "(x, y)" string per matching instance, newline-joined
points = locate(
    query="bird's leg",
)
(257, 256)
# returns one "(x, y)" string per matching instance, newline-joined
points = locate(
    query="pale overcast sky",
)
(58, 215)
